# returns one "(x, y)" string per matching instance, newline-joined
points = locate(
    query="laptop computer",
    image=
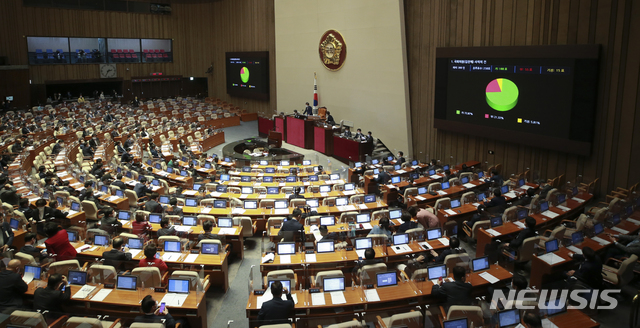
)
(72, 235)
(363, 243)
(464, 180)
(284, 163)
(422, 190)
(455, 203)
(480, 263)
(561, 198)
(522, 213)
(306, 162)
(250, 204)
(291, 179)
(75, 206)
(363, 218)
(155, 218)
(445, 185)
(224, 177)
(286, 248)
(554, 306)
(313, 178)
(172, 246)
(504, 189)
(135, 243)
(126, 282)
(509, 318)
(395, 214)
(397, 167)
(396, 180)
(401, 239)
(189, 221)
(327, 220)
(551, 246)
(124, 215)
(35, 270)
(225, 222)
(313, 203)
(280, 204)
(325, 246)
(77, 277)
(434, 233)
(273, 190)
(191, 202)
(598, 228)
(163, 200)
(481, 197)
(220, 203)
(325, 188)
(14, 223)
(455, 323)
(263, 163)
(436, 271)
(247, 190)
(100, 240)
(342, 201)
(209, 249)
(333, 284)
(385, 279)
(520, 182)
(221, 188)
(334, 176)
(496, 221)
(577, 238)
(349, 186)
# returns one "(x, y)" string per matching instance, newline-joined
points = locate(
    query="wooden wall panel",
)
(611, 23)
(202, 31)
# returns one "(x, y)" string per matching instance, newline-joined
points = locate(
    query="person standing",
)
(308, 110)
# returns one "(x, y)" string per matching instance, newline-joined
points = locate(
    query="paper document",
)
(600, 240)
(575, 249)
(134, 252)
(493, 232)
(620, 230)
(234, 183)
(468, 185)
(546, 323)
(72, 212)
(636, 222)
(227, 231)
(510, 194)
(520, 224)
(337, 297)
(425, 244)
(450, 212)
(435, 176)
(401, 171)
(349, 192)
(268, 257)
(372, 295)
(489, 277)
(564, 208)
(238, 211)
(367, 226)
(444, 241)
(399, 249)
(310, 257)
(360, 252)
(84, 291)
(525, 187)
(285, 259)
(442, 192)
(281, 211)
(171, 256)
(191, 258)
(28, 277)
(101, 295)
(183, 228)
(243, 196)
(551, 258)
(174, 300)
(363, 206)
(420, 198)
(324, 194)
(190, 192)
(215, 194)
(476, 204)
(579, 200)
(350, 208)
(317, 299)
(112, 198)
(550, 214)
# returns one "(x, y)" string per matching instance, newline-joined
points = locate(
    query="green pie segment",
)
(502, 94)
(244, 74)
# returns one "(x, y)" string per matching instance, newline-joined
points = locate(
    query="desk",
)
(573, 318)
(126, 303)
(300, 132)
(264, 126)
(323, 140)
(348, 149)
(281, 126)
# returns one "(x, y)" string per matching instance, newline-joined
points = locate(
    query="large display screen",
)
(539, 96)
(248, 74)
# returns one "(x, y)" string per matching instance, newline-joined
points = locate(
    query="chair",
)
(377, 215)
(133, 198)
(329, 201)
(622, 276)
(248, 226)
(90, 209)
(26, 259)
(442, 204)
(367, 274)
(435, 186)
(297, 202)
(148, 277)
(525, 254)
(63, 267)
(286, 274)
(84, 322)
(356, 199)
(162, 239)
(32, 319)
(413, 319)
(510, 214)
(411, 191)
(453, 260)
(326, 274)
(147, 325)
(472, 313)
(472, 232)
(267, 203)
(468, 198)
(349, 324)
(312, 220)
(273, 222)
(575, 226)
(101, 274)
(201, 218)
(557, 233)
(221, 248)
(195, 282)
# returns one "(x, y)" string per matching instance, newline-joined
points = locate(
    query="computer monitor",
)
(207, 165)
(209, 248)
(196, 186)
(221, 188)
(286, 284)
(544, 206)
(163, 200)
(100, 240)
(437, 271)
(455, 203)
(333, 284)
(464, 180)
(224, 177)
(128, 174)
(434, 233)
(334, 176)
(432, 172)
(414, 162)
(171, 246)
(389, 158)
(225, 222)
(179, 286)
(14, 224)
(280, 204)
(349, 186)
(357, 164)
(250, 204)
(36, 270)
(455, 323)
(422, 190)
(520, 182)
(219, 203)
(313, 203)
(397, 167)
(615, 219)
(127, 282)
(267, 179)
(496, 221)
(273, 190)
(75, 206)
(376, 171)
(306, 162)
(284, 163)
(246, 169)
(325, 188)
(291, 179)
(480, 263)
(504, 189)
(72, 235)
(191, 202)
(327, 220)
(385, 279)
(155, 218)
(577, 237)
(401, 238)
(155, 182)
(124, 215)
(81, 178)
(363, 218)
(45, 195)
(158, 166)
(480, 175)
(396, 179)
(395, 214)
(363, 243)
(169, 169)
(445, 185)
(189, 221)
(481, 197)
(247, 190)
(551, 245)
(555, 306)
(508, 318)
(270, 170)
(325, 246)
(119, 193)
(227, 159)
(104, 189)
(446, 167)
(77, 277)
(598, 228)
(369, 198)
(286, 248)
(149, 162)
(263, 163)
(342, 201)
(414, 176)
(135, 243)
(375, 161)
(184, 173)
(522, 213)
(313, 178)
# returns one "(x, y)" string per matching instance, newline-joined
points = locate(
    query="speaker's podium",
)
(300, 131)
(274, 139)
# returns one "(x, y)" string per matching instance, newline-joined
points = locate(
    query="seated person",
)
(118, 182)
(347, 132)
(496, 179)
(526, 199)
(51, 298)
(400, 158)
(383, 177)
(141, 226)
(152, 313)
(291, 226)
(150, 259)
(58, 244)
(277, 310)
(326, 235)
(369, 258)
(173, 208)
(6, 235)
(427, 219)
(166, 229)
(207, 226)
(454, 248)
(447, 176)
(457, 292)
(532, 320)
(24, 207)
(142, 188)
(589, 271)
(497, 204)
(152, 204)
(382, 228)
(624, 246)
(30, 248)
(109, 222)
(529, 232)
(12, 287)
(296, 193)
(117, 254)
(407, 223)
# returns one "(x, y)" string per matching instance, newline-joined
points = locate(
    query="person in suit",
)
(57, 147)
(326, 235)
(94, 143)
(529, 232)
(308, 110)
(207, 226)
(152, 313)
(589, 271)
(457, 292)
(407, 223)
(119, 148)
(447, 176)
(330, 119)
(118, 182)
(25, 129)
(87, 151)
(291, 226)
(154, 152)
(45, 213)
(12, 287)
(29, 245)
(51, 298)
(109, 223)
(142, 188)
(276, 310)
(383, 177)
(369, 258)
(296, 193)
(58, 243)
(347, 132)
(23, 206)
(400, 158)
(9, 195)
(359, 135)
(454, 248)
(624, 246)
(497, 201)
(532, 320)
(496, 179)
(143, 133)
(152, 204)
(166, 229)
(6, 235)
(526, 199)
(116, 256)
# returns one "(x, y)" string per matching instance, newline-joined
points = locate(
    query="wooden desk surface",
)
(573, 319)
(280, 196)
(263, 212)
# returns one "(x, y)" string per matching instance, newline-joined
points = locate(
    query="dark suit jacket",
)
(292, 225)
(12, 287)
(497, 179)
(50, 299)
(524, 234)
(406, 226)
(119, 184)
(383, 178)
(330, 119)
(496, 202)
(87, 152)
(7, 234)
(115, 255)
(153, 207)
(276, 310)
(25, 130)
(440, 258)
(152, 318)
(141, 190)
(457, 293)
(308, 111)
(589, 272)
(400, 160)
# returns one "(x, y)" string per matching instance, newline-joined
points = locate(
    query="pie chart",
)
(502, 94)
(244, 74)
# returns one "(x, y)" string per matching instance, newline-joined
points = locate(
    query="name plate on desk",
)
(159, 290)
(109, 286)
